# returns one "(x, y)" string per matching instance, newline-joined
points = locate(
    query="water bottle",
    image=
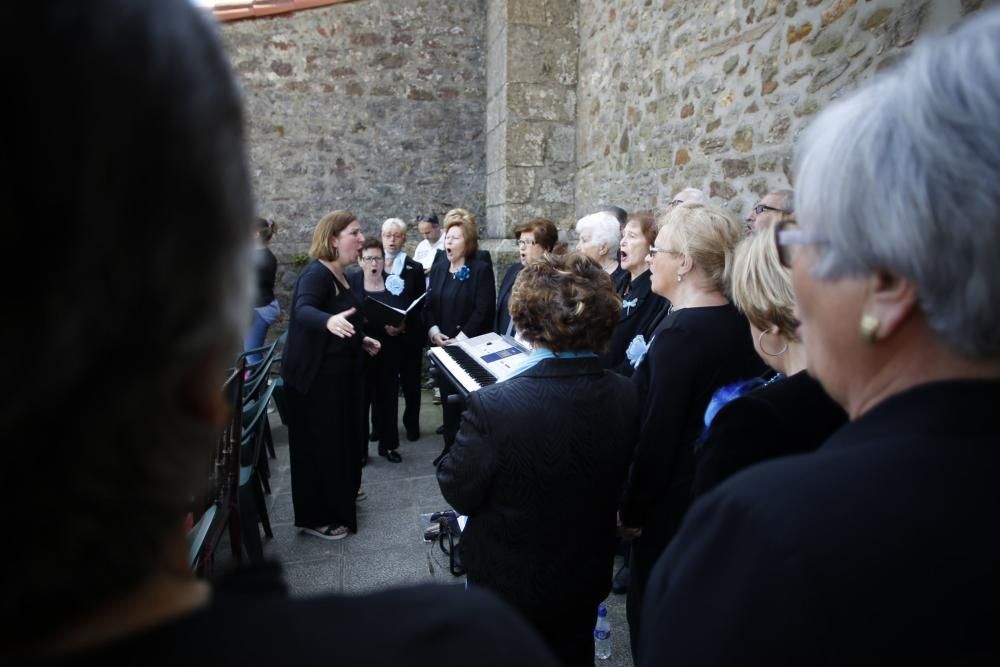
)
(602, 634)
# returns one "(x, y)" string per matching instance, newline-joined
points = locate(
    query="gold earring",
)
(869, 328)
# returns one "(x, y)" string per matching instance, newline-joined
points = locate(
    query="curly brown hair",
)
(564, 303)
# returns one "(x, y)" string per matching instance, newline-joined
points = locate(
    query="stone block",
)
(712, 145)
(836, 11)
(519, 184)
(827, 75)
(560, 145)
(721, 190)
(525, 144)
(737, 168)
(827, 42)
(743, 139)
(554, 13)
(541, 55)
(528, 101)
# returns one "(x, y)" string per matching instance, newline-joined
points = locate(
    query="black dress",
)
(382, 372)
(324, 390)
(503, 324)
(641, 308)
(879, 548)
(792, 415)
(692, 352)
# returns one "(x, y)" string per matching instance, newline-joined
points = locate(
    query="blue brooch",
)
(463, 273)
(395, 285)
(637, 350)
(627, 306)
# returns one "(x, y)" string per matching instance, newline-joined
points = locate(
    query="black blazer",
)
(503, 298)
(472, 311)
(788, 416)
(538, 466)
(693, 352)
(316, 297)
(880, 548)
(641, 309)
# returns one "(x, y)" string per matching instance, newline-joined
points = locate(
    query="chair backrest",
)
(211, 512)
(257, 373)
(254, 420)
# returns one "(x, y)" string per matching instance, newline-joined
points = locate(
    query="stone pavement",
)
(388, 549)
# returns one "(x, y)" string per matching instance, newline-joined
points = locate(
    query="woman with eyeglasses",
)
(459, 300)
(882, 546)
(381, 371)
(534, 238)
(699, 346)
(788, 414)
(641, 307)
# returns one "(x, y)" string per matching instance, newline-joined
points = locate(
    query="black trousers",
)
(382, 394)
(410, 367)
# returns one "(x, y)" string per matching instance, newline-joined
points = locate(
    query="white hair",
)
(603, 227)
(393, 224)
(903, 176)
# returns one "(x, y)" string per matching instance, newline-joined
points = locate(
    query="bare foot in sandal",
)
(327, 532)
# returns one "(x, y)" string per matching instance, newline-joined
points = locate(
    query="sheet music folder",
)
(380, 314)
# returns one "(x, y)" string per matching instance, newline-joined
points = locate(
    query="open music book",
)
(380, 314)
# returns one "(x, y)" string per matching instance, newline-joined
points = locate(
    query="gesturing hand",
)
(339, 326)
(371, 346)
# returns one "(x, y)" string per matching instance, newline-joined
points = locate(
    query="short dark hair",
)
(428, 217)
(616, 211)
(565, 303)
(545, 232)
(647, 223)
(373, 242)
(152, 224)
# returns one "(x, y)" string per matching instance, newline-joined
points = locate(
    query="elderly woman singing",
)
(882, 546)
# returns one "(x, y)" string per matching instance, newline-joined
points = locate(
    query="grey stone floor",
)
(388, 549)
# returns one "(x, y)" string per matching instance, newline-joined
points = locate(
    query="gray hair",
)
(902, 176)
(393, 223)
(604, 228)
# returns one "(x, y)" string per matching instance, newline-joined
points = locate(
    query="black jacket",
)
(472, 310)
(880, 548)
(503, 298)
(538, 466)
(641, 309)
(788, 416)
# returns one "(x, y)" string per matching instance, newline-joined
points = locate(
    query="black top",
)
(538, 466)
(640, 310)
(880, 548)
(357, 282)
(461, 305)
(693, 352)
(267, 270)
(414, 284)
(502, 321)
(252, 621)
(788, 416)
(317, 296)
(620, 278)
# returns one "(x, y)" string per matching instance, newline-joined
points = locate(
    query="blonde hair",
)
(328, 227)
(761, 286)
(459, 214)
(707, 234)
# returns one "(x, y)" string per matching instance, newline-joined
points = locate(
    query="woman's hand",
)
(339, 326)
(439, 339)
(371, 346)
(395, 331)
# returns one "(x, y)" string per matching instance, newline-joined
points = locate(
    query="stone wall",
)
(712, 94)
(530, 112)
(377, 106)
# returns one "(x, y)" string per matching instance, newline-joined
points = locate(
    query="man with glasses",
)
(406, 275)
(687, 195)
(772, 207)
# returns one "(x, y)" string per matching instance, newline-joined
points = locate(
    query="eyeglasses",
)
(525, 243)
(787, 235)
(675, 202)
(372, 260)
(653, 250)
(760, 208)
(393, 235)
